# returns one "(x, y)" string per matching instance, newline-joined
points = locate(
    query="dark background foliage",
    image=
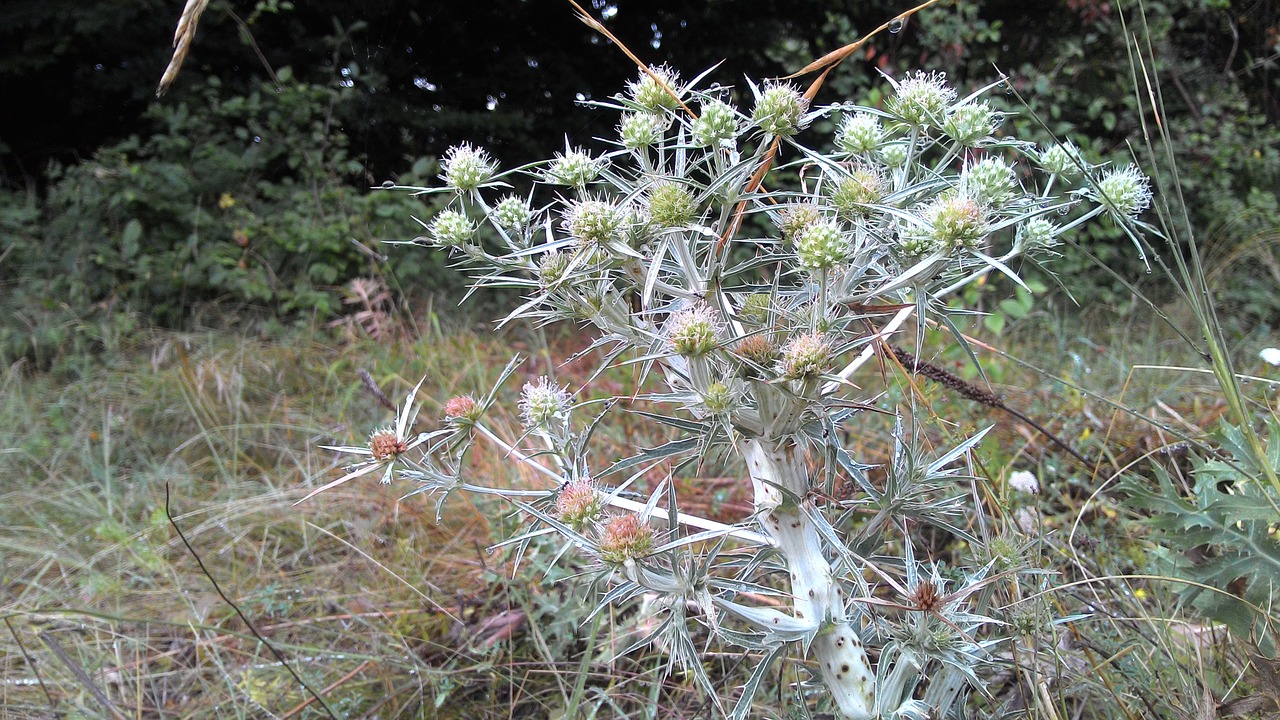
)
(244, 188)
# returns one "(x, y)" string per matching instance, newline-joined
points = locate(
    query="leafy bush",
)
(250, 200)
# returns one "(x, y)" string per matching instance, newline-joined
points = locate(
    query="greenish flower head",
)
(862, 187)
(716, 126)
(719, 399)
(755, 309)
(1126, 190)
(860, 134)
(693, 332)
(1037, 234)
(575, 168)
(894, 155)
(917, 243)
(956, 221)
(922, 99)
(806, 356)
(970, 123)
(796, 218)
(637, 226)
(671, 205)
(467, 167)
(780, 110)
(512, 213)
(640, 130)
(593, 222)
(822, 245)
(649, 94)
(552, 267)
(990, 181)
(1062, 159)
(451, 228)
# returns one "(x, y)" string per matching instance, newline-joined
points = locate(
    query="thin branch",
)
(279, 656)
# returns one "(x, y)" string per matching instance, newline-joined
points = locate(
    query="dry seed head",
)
(805, 356)
(625, 538)
(385, 445)
(926, 597)
(579, 504)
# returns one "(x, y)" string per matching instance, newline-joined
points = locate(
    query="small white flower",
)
(1024, 481)
(1270, 355)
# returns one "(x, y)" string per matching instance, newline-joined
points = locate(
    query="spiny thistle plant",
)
(695, 255)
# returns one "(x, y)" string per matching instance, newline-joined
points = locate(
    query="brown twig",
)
(278, 655)
(372, 386)
(599, 27)
(334, 686)
(32, 664)
(81, 675)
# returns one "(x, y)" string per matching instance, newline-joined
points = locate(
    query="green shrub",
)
(251, 200)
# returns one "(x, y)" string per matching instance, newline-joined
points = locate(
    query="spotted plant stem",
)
(775, 466)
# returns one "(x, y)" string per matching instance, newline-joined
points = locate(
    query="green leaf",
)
(129, 238)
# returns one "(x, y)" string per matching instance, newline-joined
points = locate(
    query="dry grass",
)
(387, 612)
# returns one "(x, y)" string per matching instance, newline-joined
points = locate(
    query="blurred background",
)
(243, 194)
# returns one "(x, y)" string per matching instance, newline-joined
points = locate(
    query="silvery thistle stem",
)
(776, 464)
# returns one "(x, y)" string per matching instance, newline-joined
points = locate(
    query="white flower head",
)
(1024, 481)
(467, 167)
(1270, 355)
(542, 403)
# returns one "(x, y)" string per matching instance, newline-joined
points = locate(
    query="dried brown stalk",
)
(183, 36)
(972, 392)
